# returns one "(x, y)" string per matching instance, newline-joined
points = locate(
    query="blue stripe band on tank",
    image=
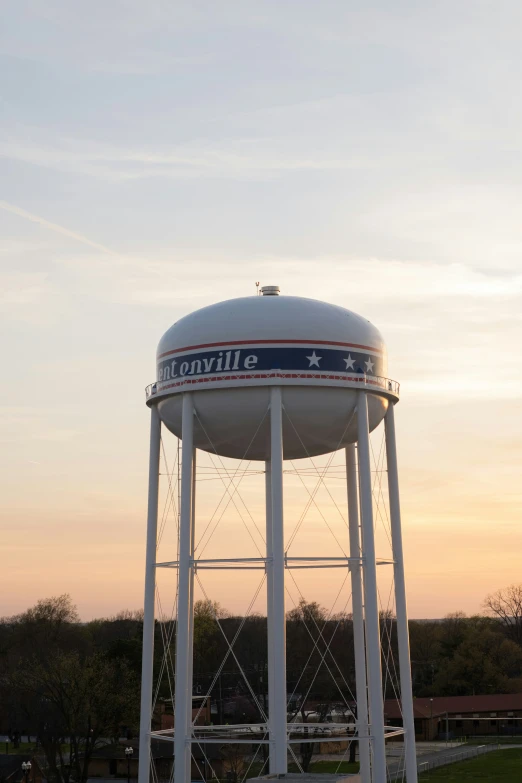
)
(264, 359)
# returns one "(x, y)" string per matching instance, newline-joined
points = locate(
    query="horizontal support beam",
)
(257, 733)
(253, 740)
(261, 562)
(317, 565)
(388, 733)
(357, 560)
(229, 568)
(213, 561)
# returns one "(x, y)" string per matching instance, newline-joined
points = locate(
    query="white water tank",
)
(229, 354)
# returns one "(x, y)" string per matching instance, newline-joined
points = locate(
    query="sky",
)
(156, 158)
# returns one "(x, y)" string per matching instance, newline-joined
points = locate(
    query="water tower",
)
(279, 377)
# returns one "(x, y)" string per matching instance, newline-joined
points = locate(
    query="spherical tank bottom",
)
(236, 422)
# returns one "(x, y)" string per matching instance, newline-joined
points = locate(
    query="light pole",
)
(431, 718)
(26, 768)
(128, 756)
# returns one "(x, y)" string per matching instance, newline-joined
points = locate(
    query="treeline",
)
(72, 685)
(78, 683)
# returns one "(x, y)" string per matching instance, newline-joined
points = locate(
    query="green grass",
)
(501, 740)
(23, 749)
(502, 766)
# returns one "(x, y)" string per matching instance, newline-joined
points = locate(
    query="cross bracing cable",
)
(377, 482)
(334, 453)
(250, 765)
(312, 501)
(211, 469)
(167, 640)
(220, 478)
(296, 760)
(239, 495)
(245, 523)
(386, 630)
(223, 467)
(378, 496)
(321, 478)
(327, 650)
(211, 520)
(307, 507)
(167, 656)
(231, 644)
(170, 502)
(316, 641)
(193, 758)
(205, 757)
(343, 757)
(381, 515)
(236, 490)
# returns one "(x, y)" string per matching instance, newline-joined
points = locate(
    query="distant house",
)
(465, 716)
(163, 717)
(110, 761)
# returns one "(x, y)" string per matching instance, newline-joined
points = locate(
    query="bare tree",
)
(506, 604)
(309, 733)
(234, 761)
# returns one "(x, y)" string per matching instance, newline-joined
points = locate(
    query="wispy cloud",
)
(116, 258)
(66, 232)
(252, 158)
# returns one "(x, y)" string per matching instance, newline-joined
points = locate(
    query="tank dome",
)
(229, 355)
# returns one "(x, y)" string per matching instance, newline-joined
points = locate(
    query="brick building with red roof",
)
(462, 716)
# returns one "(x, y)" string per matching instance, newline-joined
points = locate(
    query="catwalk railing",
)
(370, 382)
(260, 563)
(452, 758)
(258, 733)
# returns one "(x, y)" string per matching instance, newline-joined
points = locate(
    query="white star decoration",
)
(349, 362)
(369, 365)
(314, 360)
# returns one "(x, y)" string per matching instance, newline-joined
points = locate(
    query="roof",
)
(422, 708)
(159, 750)
(425, 707)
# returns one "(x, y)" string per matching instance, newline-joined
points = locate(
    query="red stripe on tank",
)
(268, 343)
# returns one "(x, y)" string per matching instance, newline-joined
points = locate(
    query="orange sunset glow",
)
(375, 170)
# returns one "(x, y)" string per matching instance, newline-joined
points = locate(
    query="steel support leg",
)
(149, 600)
(278, 711)
(358, 617)
(190, 678)
(371, 603)
(182, 753)
(403, 638)
(269, 614)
